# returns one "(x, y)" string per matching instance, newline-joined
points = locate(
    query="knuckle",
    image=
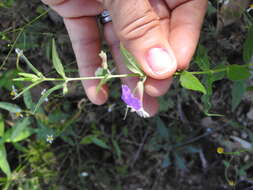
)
(139, 26)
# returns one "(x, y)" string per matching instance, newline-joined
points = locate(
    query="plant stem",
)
(91, 78)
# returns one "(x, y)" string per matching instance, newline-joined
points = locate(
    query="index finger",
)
(185, 25)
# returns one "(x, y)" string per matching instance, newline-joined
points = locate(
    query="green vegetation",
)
(52, 137)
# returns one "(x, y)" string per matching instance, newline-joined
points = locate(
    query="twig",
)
(137, 154)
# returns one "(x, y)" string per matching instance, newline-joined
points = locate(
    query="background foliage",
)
(68, 143)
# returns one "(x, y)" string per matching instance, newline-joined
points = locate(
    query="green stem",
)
(211, 71)
(91, 78)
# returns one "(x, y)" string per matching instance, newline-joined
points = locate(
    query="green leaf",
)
(28, 75)
(27, 97)
(18, 129)
(56, 61)
(13, 108)
(102, 82)
(162, 129)
(117, 149)
(93, 139)
(248, 46)
(238, 72)
(1, 125)
(202, 59)
(4, 165)
(238, 90)
(87, 139)
(208, 81)
(46, 94)
(189, 81)
(180, 162)
(100, 143)
(226, 163)
(130, 61)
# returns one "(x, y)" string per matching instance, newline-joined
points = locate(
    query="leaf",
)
(238, 72)
(117, 149)
(56, 61)
(46, 94)
(248, 46)
(18, 129)
(130, 61)
(238, 90)
(28, 100)
(202, 59)
(102, 82)
(162, 129)
(208, 81)
(87, 139)
(226, 163)
(1, 125)
(93, 139)
(180, 162)
(13, 108)
(4, 165)
(100, 143)
(189, 81)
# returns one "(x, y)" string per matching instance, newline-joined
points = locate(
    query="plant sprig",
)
(187, 79)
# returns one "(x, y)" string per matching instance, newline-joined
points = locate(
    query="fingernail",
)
(160, 61)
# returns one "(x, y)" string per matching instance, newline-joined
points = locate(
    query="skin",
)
(140, 25)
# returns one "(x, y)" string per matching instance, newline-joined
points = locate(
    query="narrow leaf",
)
(100, 143)
(189, 81)
(46, 94)
(4, 165)
(27, 97)
(18, 128)
(56, 61)
(238, 90)
(248, 46)
(13, 108)
(1, 125)
(87, 139)
(117, 149)
(162, 129)
(130, 61)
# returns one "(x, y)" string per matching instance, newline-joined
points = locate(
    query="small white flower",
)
(110, 107)
(14, 91)
(84, 174)
(50, 139)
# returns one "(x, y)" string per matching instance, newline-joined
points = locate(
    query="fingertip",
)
(157, 88)
(161, 62)
(150, 105)
(96, 97)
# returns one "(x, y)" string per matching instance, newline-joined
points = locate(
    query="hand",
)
(161, 34)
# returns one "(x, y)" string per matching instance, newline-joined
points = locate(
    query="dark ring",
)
(105, 17)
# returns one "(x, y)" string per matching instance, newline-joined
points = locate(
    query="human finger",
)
(85, 39)
(140, 32)
(150, 104)
(185, 25)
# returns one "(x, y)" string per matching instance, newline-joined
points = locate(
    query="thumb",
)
(138, 28)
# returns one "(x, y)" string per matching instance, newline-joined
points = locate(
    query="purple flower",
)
(134, 103)
(129, 98)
